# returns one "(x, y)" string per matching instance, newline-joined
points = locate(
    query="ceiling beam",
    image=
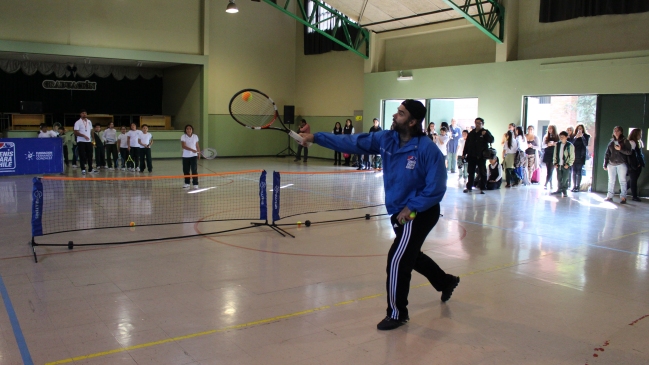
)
(487, 21)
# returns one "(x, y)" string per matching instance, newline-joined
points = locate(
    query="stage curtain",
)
(316, 43)
(559, 10)
(66, 70)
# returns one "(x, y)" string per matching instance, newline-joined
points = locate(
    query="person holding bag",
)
(476, 152)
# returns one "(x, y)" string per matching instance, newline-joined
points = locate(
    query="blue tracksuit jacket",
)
(413, 175)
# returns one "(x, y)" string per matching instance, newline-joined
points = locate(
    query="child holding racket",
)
(133, 137)
(415, 181)
(189, 143)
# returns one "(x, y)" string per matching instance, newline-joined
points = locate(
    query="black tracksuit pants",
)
(405, 255)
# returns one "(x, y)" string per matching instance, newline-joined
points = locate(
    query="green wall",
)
(627, 111)
(500, 87)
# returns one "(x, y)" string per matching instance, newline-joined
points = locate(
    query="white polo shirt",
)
(135, 136)
(85, 128)
(123, 140)
(145, 139)
(191, 143)
(48, 134)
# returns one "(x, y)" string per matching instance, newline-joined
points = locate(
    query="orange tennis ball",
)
(132, 224)
(246, 96)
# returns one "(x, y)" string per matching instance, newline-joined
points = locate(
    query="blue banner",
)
(276, 183)
(37, 208)
(263, 205)
(31, 156)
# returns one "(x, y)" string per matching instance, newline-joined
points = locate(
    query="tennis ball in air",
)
(132, 224)
(246, 96)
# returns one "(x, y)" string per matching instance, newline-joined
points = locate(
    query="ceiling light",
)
(232, 8)
(403, 78)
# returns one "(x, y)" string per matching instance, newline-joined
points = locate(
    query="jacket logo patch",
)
(412, 161)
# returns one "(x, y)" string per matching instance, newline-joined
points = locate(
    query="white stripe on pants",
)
(394, 268)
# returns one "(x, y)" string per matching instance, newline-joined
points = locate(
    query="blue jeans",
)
(620, 172)
(452, 161)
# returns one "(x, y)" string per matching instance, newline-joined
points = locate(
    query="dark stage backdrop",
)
(558, 10)
(137, 96)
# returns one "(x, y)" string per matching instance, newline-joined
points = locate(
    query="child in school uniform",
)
(100, 152)
(145, 141)
(123, 147)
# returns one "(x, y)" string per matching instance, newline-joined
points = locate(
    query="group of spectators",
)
(524, 154)
(88, 140)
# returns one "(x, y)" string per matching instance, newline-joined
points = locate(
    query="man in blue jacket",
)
(414, 176)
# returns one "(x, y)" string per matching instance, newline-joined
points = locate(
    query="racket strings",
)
(252, 109)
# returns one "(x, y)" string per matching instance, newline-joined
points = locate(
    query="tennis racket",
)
(255, 110)
(129, 159)
(208, 153)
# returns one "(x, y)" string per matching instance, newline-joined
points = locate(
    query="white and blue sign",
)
(26, 156)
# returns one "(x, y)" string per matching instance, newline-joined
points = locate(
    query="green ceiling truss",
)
(341, 22)
(486, 21)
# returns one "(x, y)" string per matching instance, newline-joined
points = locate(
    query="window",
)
(328, 24)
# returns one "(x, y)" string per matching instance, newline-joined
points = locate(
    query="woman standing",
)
(189, 143)
(532, 154)
(636, 161)
(580, 140)
(617, 153)
(509, 152)
(348, 129)
(521, 158)
(338, 129)
(550, 140)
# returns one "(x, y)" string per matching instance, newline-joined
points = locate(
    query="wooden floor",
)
(544, 280)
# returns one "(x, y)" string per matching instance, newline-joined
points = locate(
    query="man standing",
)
(375, 128)
(455, 134)
(415, 182)
(304, 128)
(83, 132)
(564, 157)
(476, 143)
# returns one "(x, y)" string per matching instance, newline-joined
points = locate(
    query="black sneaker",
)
(446, 293)
(466, 190)
(389, 323)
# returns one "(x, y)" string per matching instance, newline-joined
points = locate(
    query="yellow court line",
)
(193, 335)
(261, 321)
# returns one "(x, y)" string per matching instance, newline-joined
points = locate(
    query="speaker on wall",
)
(31, 107)
(289, 114)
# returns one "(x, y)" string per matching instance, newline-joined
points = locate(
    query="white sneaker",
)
(94, 172)
(123, 168)
(186, 186)
(195, 186)
(110, 168)
(74, 166)
(83, 172)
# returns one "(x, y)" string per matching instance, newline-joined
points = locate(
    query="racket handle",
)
(298, 138)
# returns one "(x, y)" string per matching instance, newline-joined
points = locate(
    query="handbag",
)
(489, 153)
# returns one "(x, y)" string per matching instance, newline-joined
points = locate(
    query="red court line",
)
(62, 178)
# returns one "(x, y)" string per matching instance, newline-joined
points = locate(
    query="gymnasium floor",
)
(543, 281)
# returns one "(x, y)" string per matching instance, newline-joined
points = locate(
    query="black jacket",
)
(614, 157)
(476, 143)
(581, 148)
(636, 158)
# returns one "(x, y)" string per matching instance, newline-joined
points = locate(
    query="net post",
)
(33, 244)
